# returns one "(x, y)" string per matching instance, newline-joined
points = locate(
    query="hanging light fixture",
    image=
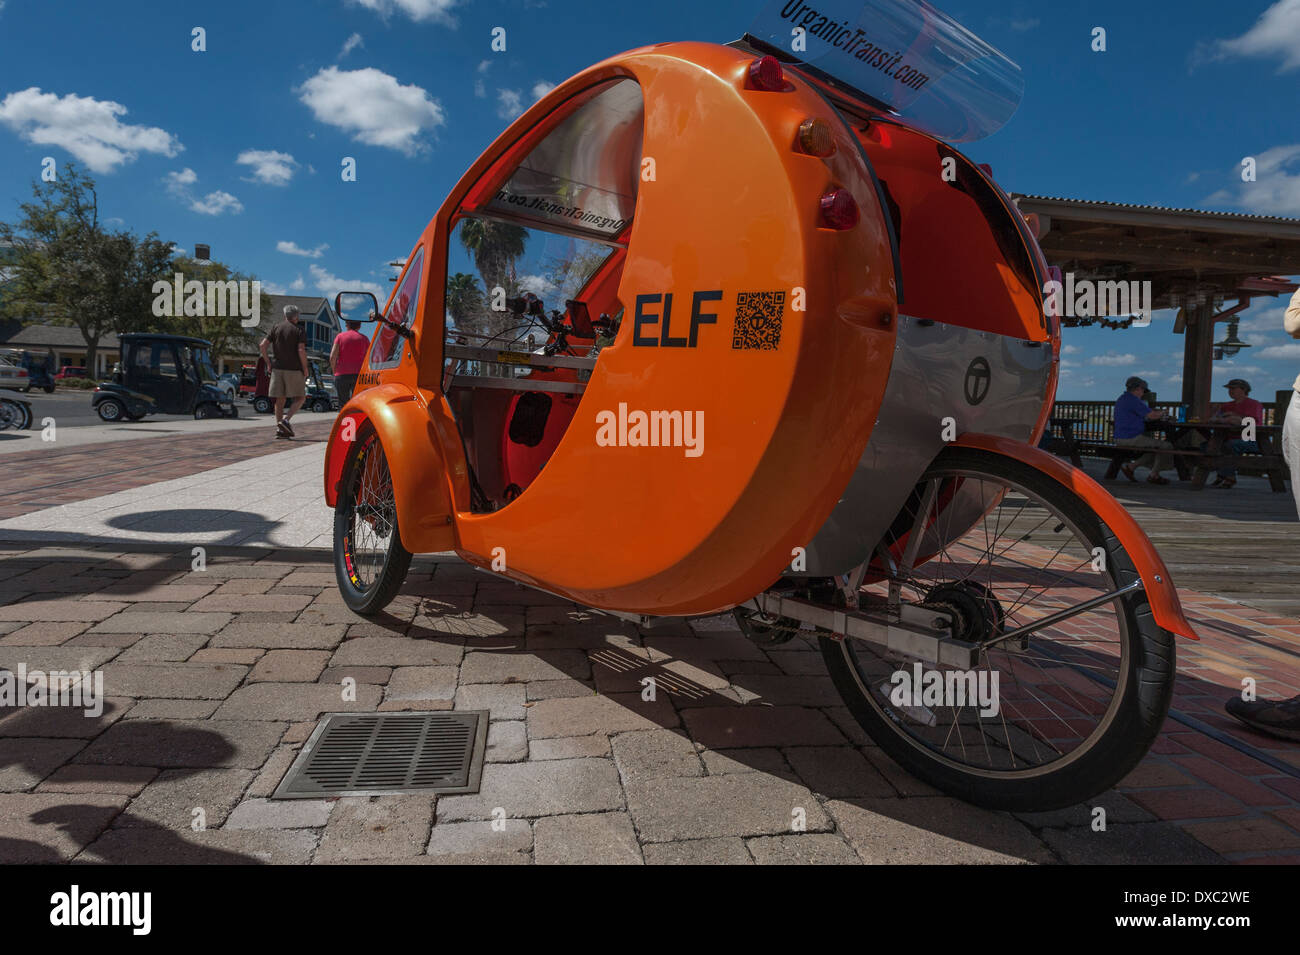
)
(1231, 344)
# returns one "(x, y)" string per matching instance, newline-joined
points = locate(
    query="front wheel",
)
(111, 410)
(262, 405)
(370, 562)
(1046, 719)
(205, 411)
(49, 389)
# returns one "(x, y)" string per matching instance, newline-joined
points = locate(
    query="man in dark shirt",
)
(288, 356)
(1131, 416)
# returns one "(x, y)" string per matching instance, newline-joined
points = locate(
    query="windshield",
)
(491, 260)
(923, 65)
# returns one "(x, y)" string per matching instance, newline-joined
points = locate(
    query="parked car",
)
(319, 397)
(13, 376)
(162, 374)
(71, 371)
(37, 365)
(229, 383)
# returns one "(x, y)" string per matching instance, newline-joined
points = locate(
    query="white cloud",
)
(350, 44)
(480, 89)
(213, 204)
(1276, 189)
(1275, 34)
(1288, 351)
(541, 88)
(1112, 359)
(373, 107)
(1069, 349)
(269, 167)
(90, 129)
(539, 285)
(292, 248)
(1023, 26)
(178, 181)
(1269, 320)
(329, 284)
(417, 10)
(217, 203)
(510, 104)
(484, 65)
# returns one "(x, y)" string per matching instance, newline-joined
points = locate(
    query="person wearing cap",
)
(1235, 412)
(1131, 417)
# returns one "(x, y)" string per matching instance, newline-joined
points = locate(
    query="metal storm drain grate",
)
(372, 754)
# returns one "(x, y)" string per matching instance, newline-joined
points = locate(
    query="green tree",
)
(226, 332)
(67, 269)
(495, 246)
(465, 303)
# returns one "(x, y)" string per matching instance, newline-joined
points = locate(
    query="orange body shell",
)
(733, 206)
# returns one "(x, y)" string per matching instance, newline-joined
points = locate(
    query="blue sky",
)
(240, 146)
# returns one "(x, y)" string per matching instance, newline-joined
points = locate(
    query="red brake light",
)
(839, 210)
(766, 74)
(22, 372)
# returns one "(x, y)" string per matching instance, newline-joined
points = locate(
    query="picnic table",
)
(1218, 434)
(1067, 444)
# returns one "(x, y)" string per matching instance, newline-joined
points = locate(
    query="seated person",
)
(1235, 412)
(1131, 416)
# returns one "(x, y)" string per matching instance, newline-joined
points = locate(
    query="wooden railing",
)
(1096, 419)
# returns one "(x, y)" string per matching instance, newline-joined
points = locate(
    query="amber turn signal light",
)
(839, 210)
(815, 138)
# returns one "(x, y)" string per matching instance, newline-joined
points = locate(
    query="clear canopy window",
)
(486, 254)
(918, 61)
(583, 175)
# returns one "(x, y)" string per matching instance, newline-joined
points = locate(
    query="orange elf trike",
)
(796, 367)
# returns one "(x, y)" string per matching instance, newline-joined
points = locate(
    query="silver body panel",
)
(932, 370)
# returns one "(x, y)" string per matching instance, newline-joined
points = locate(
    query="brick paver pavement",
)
(215, 678)
(51, 475)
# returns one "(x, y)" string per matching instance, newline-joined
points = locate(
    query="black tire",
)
(234, 411)
(262, 405)
(1124, 733)
(320, 405)
(205, 411)
(367, 582)
(110, 409)
(49, 389)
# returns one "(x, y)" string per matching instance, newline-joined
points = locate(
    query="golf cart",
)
(319, 397)
(162, 374)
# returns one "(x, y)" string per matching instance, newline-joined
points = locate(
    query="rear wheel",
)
(14, 415)
(262, 405)
(110, 409)
(205, 411)
(320, 405)
(369, 559)
(1044, 720)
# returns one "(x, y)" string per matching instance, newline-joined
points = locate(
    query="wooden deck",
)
(1242, 544)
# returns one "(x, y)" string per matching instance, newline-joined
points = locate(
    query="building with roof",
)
(1195, 261)
(68, 347)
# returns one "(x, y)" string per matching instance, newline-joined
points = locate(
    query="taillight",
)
(815, 137)
(766, 74)
(839, 210)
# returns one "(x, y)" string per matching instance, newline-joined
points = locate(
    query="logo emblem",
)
(978, 378)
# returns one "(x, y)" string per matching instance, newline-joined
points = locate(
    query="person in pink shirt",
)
(346, 358)
(1235, 412)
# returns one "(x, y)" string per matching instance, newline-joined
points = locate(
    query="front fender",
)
(410, 442)
(1166, 608)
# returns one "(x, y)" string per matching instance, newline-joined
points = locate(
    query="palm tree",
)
(495, 247)
(465, 302)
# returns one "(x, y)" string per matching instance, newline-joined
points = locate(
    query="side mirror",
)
(362, 307)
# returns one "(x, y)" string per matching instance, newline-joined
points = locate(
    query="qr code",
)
(758, 320)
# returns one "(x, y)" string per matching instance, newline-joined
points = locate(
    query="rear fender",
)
(1163, 597)
(420, 486)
